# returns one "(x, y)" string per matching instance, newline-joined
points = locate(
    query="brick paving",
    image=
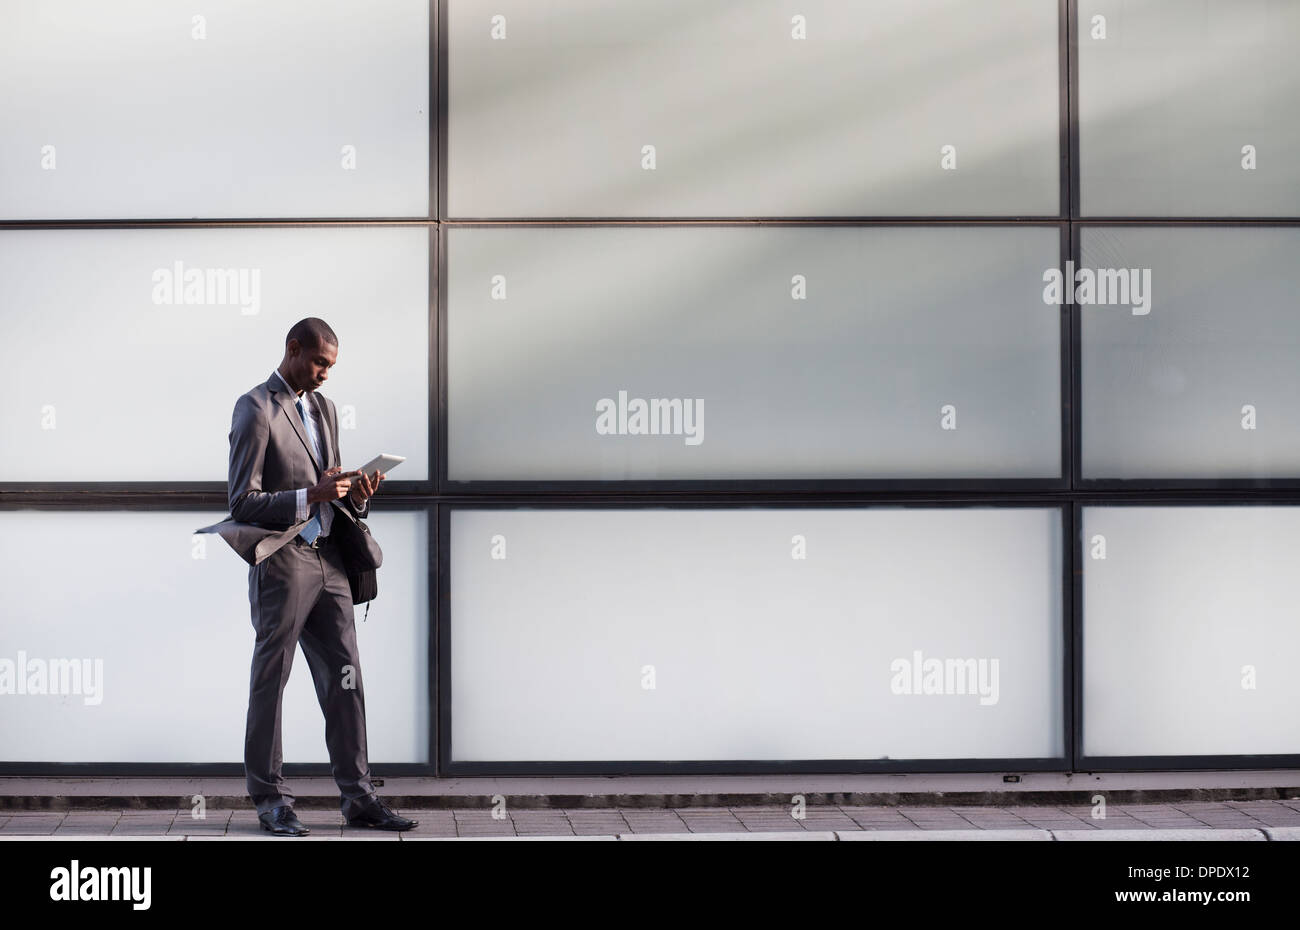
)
(479, 822)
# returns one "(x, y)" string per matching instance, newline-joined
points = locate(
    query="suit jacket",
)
(270, 458)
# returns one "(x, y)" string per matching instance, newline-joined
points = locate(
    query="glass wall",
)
(761, 345)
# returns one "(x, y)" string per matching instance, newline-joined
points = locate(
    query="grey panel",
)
(1171, 96)
(1207, 383)
(550, 105)
(545, 325)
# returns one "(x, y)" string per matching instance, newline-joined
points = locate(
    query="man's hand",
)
(365, 487)
(333, 485)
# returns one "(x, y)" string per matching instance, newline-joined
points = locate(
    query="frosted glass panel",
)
(235, 108)
(1203, 384)
(163, 616)
(582, 635)
(777, 353)
(1190, 640)
(125, 350)
(714, 108)
(1188, 109)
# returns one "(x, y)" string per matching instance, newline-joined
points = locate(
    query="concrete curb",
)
(1175, 835)
(942, 835)
(603, 837)
(792, 835)
(90, 838)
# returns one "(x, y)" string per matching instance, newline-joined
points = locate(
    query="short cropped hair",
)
(312, 333)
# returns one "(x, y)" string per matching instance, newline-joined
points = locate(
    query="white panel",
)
(1188, 609)
(109, 377)
(756, 655)
(120, 110)
(174, 635)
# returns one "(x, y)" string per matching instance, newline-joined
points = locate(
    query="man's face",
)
(311, 366)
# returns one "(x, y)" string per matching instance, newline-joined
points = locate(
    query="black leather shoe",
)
(375, 814)
(282, 821)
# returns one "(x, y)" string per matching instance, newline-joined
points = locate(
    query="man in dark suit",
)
(288, 495)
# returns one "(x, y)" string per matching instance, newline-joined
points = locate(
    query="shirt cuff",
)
(301, 512)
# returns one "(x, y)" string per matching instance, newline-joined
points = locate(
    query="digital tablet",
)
(382, 462)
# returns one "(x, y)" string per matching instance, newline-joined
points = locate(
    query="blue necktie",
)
(313, 527)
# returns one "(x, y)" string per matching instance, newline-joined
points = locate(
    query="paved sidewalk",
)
(1235, 820)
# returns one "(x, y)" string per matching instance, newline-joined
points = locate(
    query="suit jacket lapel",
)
(287, 399)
